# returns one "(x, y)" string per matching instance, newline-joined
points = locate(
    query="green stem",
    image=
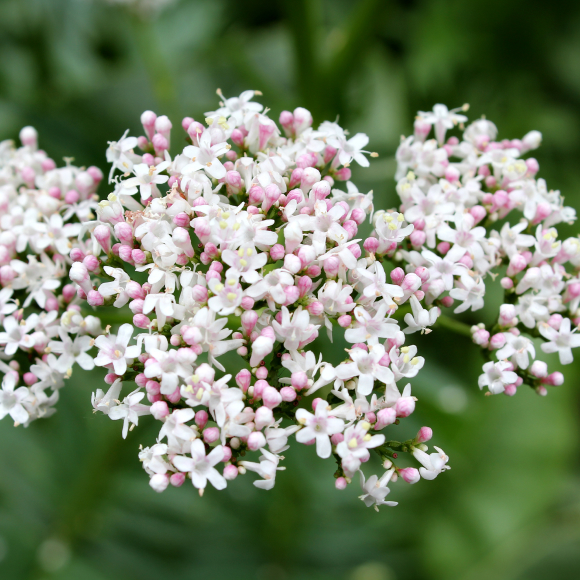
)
(454, 325)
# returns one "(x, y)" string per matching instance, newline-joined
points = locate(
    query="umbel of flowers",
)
(479, 213)
(243, 244)
(42, 334)
(236, 254)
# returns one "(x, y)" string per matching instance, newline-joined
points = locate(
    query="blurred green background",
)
(74, 503)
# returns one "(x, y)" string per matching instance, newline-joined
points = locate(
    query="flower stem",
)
(454, 325)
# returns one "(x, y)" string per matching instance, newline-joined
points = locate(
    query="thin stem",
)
(454, 325)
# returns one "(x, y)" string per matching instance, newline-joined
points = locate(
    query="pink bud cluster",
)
(43, 331)
(479, 211)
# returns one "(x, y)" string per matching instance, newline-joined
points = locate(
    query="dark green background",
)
(74, 503)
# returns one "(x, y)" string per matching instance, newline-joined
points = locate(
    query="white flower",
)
(561, 341)
(114, 350)
(366, 367)
(11, 400)
(206, 157)
(201, 466)
(420, 319)
(376, 489)
(470, 293)
(16, 334)
(517, 348)
(433, 464)
(105, 402)
(120, 154)
(72, 351)
(496, 376)
(320, 427)
(295, 329)
(369, 328)
(266, 469)
(442, 119)
(146, 180)
(130, 410)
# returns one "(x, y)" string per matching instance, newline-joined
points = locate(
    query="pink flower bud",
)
(343, 174)
(318, 401)
(159, 482)
(417, 238)
(211, 434)
(277, 252)
(29, 378)
(478, 212)
(271, 196)
(466, 261)
(411, 283)
(292, 294)
(256, 440)
(288, 394)
(351, 228)
(159, 410)
(94, 298)
(543, 211)
(358, 215)
(247, 303)
(410, 474)
(310, 176)
(263, 418)
(139, 256)
(163, 125)
(539, 369)
(160, 144)
(102, 234)
(201, 419)
(371, 245)
(555, 321)
(506, 283)
(287, 120)
(91, 263)
(321, 190)
(481, 337)
(230, 472)
(141, 321)
(555, 379)
(340, 483)
(345, 320)
(304, 285)
(516, 265)
(177, 479)
(497, 341)
(331, 266)
(292, 263)
(424, 434)
(148, 119)
(355, 250)
(299, 380)
(315, 308)
(397, 276)
(125, 253)
(271, 397)
(404, 406)
(443, 247)
(262, 373)
(385, 417)
(243, 379)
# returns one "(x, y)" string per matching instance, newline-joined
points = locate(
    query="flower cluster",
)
(479, 212)
(43, 333)
(234, 256)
